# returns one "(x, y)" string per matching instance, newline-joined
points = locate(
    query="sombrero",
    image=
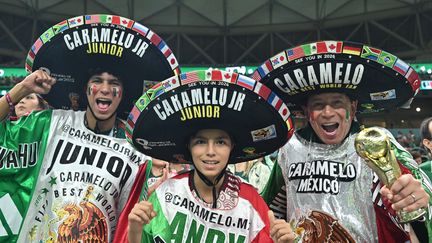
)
(73, 47)
(377, 79)
(168, 114)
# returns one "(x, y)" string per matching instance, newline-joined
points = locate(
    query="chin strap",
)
(211, 184)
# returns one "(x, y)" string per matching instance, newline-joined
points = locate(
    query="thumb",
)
(271, 218)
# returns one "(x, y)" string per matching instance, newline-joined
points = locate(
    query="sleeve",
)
(274, 193)
(28, 129)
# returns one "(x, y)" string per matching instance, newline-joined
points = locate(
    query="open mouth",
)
(330, 127)
(103, 104)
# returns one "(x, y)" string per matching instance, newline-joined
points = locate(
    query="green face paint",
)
(347, 115)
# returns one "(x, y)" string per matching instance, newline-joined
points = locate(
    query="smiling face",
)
(27, 105)
(330, 116)
(104, 95)
(210, 150)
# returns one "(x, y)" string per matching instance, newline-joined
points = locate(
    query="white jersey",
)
(83, 183)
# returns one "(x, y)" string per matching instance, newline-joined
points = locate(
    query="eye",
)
(198, 141)
(95, 81)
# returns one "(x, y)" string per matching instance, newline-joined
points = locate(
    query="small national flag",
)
(36, 46)
(370, 53)
(126, 22)
(163, 47)
(214, 75)
(279, 60)
(352, 49)
(154, 38)
(155, 91)
(115, 20)
(106, 19)
(28, 68)
(76, 21)
(47, 35)
(401, 67)
(134, 114)
(295, 53)
(142, 102)
(413, 78)
(246, 82)
(321, 47)
(265, 68)
(60, 27)
(172, 61)
(191, 77)
(171, 83)
(230, 77)
(284, 111)
(92, 19)
(334, 46)
(274, 101)
(140, 28)
(256, 75)
(310, 49)
(262, 90)
(387, 59)
(29, 61)
(30, 57)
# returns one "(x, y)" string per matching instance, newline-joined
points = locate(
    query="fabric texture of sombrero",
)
(73, 47)
(377, 79)
(168, 114)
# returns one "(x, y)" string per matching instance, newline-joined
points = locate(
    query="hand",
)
(280, 230)
(406, 194)
(141, 214)
(39, 82)
(164, 177)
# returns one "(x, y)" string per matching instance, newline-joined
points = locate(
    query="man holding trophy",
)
(321, 184)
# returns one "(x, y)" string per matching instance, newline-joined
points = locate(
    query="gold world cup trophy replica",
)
(373, 145)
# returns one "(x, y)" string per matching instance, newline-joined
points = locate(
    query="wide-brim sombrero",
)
(73, 47)
(377, 79)
(167, 115)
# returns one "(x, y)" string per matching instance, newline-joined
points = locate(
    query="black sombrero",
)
(376, 78)
(168, 114)
(73, 47)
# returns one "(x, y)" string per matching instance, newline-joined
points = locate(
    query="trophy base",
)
(406, 217)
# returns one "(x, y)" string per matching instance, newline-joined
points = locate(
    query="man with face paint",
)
(319, 183)
(65, 175)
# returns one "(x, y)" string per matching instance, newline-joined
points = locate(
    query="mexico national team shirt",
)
(240, 215)
(319, 189)
(61, 182)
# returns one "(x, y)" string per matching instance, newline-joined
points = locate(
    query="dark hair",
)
(99, 70)
(424, 129)
(43, 104)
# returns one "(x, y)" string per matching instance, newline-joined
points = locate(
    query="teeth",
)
(210, 162)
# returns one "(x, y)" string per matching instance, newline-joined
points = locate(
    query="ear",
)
(305, 112)
(427, 143)
(353, 108)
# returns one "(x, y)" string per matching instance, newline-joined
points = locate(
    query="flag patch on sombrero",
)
(362, 72)
(209, 100)
(111, 43)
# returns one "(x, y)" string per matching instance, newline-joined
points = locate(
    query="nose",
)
(105, 88)
(211, 149)
(328, 111)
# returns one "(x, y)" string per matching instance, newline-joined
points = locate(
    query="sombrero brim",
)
(377, 79)
(71, 48)
(166, 116)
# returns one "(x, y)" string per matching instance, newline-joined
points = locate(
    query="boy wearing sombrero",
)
(320, 183)
(210, 121)
(65, 175)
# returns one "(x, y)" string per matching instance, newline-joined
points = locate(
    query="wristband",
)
(10, 103)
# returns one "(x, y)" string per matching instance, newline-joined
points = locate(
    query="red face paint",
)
(94, 89)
